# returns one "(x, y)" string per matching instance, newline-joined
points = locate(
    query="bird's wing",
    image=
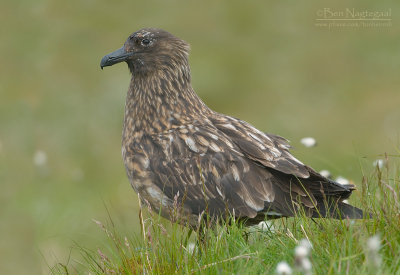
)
(206, 170)
(268, 150)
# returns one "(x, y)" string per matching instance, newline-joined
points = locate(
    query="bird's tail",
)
(340, 210)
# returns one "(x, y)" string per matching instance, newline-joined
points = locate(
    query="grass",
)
(338, 246)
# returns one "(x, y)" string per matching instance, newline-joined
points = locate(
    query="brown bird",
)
(179, 152)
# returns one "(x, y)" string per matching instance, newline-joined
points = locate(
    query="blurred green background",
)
(265, 62)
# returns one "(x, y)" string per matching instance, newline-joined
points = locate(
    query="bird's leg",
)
(318, 224)
(202, 237)
(238, 223)
(246, 235)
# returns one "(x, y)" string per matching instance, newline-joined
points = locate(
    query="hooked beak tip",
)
(115, 57)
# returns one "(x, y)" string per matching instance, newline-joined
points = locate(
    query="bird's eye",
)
(145, 42)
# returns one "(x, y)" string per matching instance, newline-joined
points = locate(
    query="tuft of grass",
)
(337, 246)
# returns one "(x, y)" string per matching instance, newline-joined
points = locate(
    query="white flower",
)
(373, 247)
(305, 243)
(325, 173)
(265, 226)
(308, 141)
(379, 163)
(301, 252)
(374, 243)
(191, 247)
(342, 180)
(283, 269)
(40, 158)
(306, 266)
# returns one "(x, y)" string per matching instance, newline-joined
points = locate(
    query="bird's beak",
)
(115, 57)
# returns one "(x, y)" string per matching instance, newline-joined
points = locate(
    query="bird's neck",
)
(160, 101)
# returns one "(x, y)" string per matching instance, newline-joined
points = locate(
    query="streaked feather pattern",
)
(177, 149)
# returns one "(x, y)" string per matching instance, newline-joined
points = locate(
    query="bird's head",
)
(149, 50)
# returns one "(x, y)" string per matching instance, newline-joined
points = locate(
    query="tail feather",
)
(340, 210)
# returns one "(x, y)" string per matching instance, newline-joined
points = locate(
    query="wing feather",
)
(222, 169)
(269, 150)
